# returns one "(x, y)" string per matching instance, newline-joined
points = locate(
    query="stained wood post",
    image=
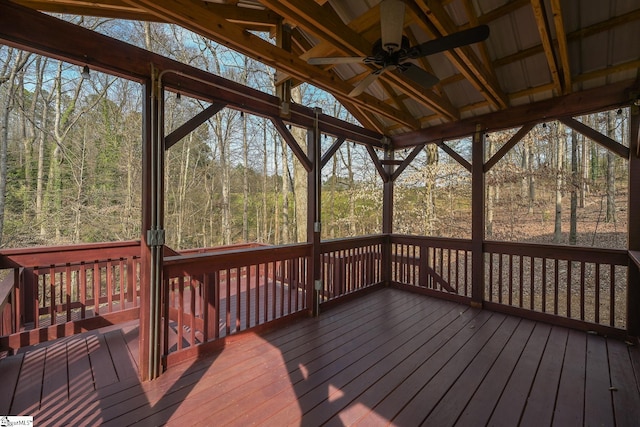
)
(152, 232)
(314, 183)
(387, 217)
(477, 220)
(633, 274)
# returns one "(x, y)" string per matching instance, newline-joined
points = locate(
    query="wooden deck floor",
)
(388, 357)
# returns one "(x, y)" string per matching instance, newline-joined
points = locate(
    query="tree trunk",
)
(573, 226)
(430, 183)
(491, 192)
(300, 177)
(7, 106)
(265, 234)
(557, 140)
(245, 180)
(286, 190)
(532, 179)
(611, 171)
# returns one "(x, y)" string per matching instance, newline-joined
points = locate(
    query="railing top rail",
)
(58, 255)
(564, 252)
(445, 242)
(352, 242)
(225, 248)
(201, 263)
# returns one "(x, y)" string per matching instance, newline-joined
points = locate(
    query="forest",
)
(70, 165)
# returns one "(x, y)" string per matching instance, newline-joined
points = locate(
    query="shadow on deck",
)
(387, 357)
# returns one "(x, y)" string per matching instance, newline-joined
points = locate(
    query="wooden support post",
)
(387, 216)
(152, 238)
(477, 221)
(283, 88)
(633, 275)
(313, 212)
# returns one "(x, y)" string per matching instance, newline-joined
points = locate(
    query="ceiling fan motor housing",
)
(382, 56)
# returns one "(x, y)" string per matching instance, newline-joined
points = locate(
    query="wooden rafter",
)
(435, 20)
(198, 17)
(324, 22)
(544, 28)
(563, 50)
(105, 9)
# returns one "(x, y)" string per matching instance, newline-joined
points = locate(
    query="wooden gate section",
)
(437, 267)
(212, 296)
(350, 265)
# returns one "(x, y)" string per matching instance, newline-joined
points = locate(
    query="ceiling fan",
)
(393, 52)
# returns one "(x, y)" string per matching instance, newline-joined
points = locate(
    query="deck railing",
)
(350, 265)
(51, 292)
(584, 288)
(581, 284)
(439, 267)
(215, 295)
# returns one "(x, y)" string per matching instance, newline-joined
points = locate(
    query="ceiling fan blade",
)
(336, 60)
(364, 83)
(418, 75)
(452, 41)
(391, 24)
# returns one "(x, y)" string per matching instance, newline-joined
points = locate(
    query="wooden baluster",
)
(217, 292)
(52, 296)
(569, 293)
(612, 295)
(248, 299)
(181, 309)
(122, 283)
(510, 279)
(597, 296)
(582, 290)
(193, 294)
(238, 299)
(68, 292)
(228, 300)
(556, 285)
(109, 286)
(96, 288)
(532, 283)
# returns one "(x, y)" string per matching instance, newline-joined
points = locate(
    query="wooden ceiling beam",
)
(501, 11)
(325, 23)
(563, 50)
(436, 21)
(197, 16)
(573, 104)
(105, 9)
(585, 32)
(544, 29)
(62, 40)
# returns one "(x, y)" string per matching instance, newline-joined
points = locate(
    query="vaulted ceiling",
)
(537, 49)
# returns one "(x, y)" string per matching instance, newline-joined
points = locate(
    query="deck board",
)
(514, 395)
(461, 391)
(597, 399)
(542, 397)
(387, 357)
(569, 408)
(480, 406)
(620, 364)
(9, 372)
